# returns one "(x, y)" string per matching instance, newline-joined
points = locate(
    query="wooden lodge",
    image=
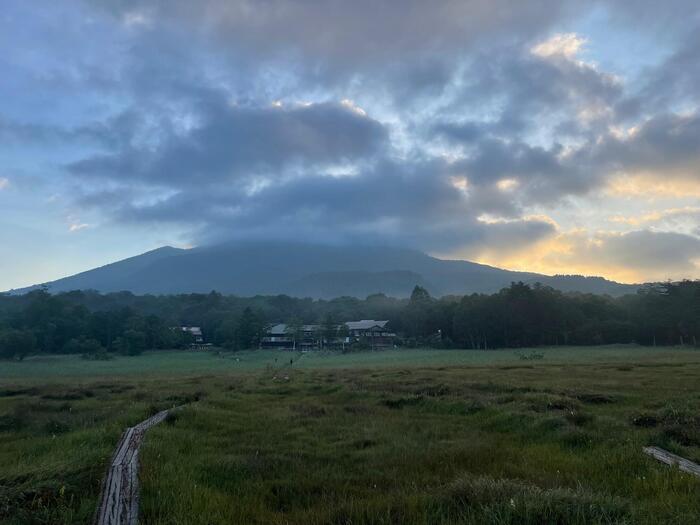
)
(369, 332)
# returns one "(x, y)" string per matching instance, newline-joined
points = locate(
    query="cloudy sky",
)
(551, 136)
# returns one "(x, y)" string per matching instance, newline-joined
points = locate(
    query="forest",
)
(98, 325)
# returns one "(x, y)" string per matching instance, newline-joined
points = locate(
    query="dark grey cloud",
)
(679, 76)
(368, 202)
(461, 133)
(668, 144)
(650, 251)
(350, 32)
(538, 175)
(497, 159)
(413, 204)
(528, 93)
(229, 141)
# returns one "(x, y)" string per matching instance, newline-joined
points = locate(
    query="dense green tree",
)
(226, 334)
(249, 329)
(17, 343)
(295, 330)
(132, 342)
(343, 333)
(519, 315)
(83, 345)
(329, 329)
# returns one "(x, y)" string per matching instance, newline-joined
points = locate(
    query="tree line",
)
(521, 315)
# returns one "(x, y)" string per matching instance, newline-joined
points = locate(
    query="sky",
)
(560, 137)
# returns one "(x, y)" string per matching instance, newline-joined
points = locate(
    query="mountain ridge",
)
(308, 270)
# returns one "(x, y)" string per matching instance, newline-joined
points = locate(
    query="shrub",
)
(99, 355)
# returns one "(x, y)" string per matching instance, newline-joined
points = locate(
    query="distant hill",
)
(308, 270)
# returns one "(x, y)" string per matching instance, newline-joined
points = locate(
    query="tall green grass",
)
(549, 444)
(393, 437)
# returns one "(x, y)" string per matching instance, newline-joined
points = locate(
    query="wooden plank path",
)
(671, 459)
(119, 501)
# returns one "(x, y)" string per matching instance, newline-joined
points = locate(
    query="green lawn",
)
(417, 436)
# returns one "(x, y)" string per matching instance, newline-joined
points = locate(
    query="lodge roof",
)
(194, 330)
(365, 324)
(282, 328)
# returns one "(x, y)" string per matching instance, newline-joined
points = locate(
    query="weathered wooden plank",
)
(153, 420)
(672, 459)
(123, 447)
(133, 517)
(114, 488)
(119, 501)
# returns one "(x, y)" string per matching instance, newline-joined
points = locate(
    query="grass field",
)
(56, 368)
(416, 436)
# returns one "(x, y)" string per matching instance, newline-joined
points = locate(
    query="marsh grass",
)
(423, 446)
(55, 443)
(556, 441)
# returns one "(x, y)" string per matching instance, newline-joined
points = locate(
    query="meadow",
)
(411, 436)
(178, 363)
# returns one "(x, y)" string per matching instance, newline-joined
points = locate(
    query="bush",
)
(358, 346)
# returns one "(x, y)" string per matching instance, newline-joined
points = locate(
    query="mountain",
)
(308, 270)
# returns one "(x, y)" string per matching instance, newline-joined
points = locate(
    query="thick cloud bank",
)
(549, 136)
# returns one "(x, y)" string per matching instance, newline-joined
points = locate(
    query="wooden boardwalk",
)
(119, 501)
(672, 459)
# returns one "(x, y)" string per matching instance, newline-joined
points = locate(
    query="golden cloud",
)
(652, 186)
(622, 257)
(654, 216)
